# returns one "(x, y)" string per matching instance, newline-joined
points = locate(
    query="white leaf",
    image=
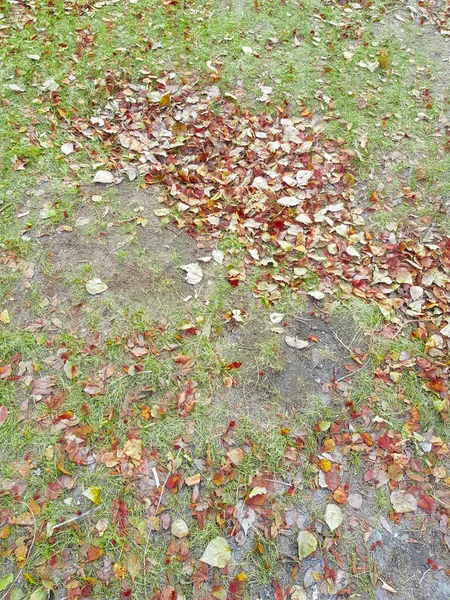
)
(47, 211)
(317, 295)
(307, 544)
(49, 85)
(247, 50)
(95, 286)
(303, 177)
(16, 88)
(218, 256)
(295, 342)
(416, 292)
(446, 330)
(67, 148)
(289, 201)
(333, 516)
(194, 273)
(246, 517)
(385, 524)
(179, 529)
(33, 56)
(276, 318)
(103, 177)
(387, 587)
(289, 180)
(305, 147)
(403, 502)
(351, 251)
(217, 553)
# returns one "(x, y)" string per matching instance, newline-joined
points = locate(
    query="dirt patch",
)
(284, 378)
(140, 263)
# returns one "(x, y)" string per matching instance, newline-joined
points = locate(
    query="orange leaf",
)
(367, 438)
(93, 553)
(340, 496)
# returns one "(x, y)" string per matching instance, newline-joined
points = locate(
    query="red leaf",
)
(173, 481)
(279, 594)
(384, 442)
(233, 365)
(427, 504)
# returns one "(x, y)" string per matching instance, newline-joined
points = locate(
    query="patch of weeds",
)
(264, 560)
(382, 500)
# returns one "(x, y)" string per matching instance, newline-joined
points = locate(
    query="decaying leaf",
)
(295, 342)
(95, 286)
(194, 273)
(403, 502)
(307, 544)
(103, 177)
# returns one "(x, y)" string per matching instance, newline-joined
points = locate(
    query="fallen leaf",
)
(93, 493)
(93, 553)
(95, 286)
(194, 273)
(307, 544)
(355, 500)
(6, 581)
(179, 528)
(4, 317)
(403, 502)
(317, 295)
(295, 342)
(427, 504)
(217, 553)
(333, 516)
(3, 414)
(67, 148)
(324, 465)
(103, 177)
(133, 565)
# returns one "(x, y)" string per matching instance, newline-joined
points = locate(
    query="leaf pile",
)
(287, 194)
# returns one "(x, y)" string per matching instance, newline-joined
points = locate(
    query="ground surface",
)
(225, 321)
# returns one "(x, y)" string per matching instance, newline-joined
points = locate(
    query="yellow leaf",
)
(4, 533)
(119, 570)
(4, 317)
(165, 100)
(328, 445)
(325, 465)
(93, 493)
